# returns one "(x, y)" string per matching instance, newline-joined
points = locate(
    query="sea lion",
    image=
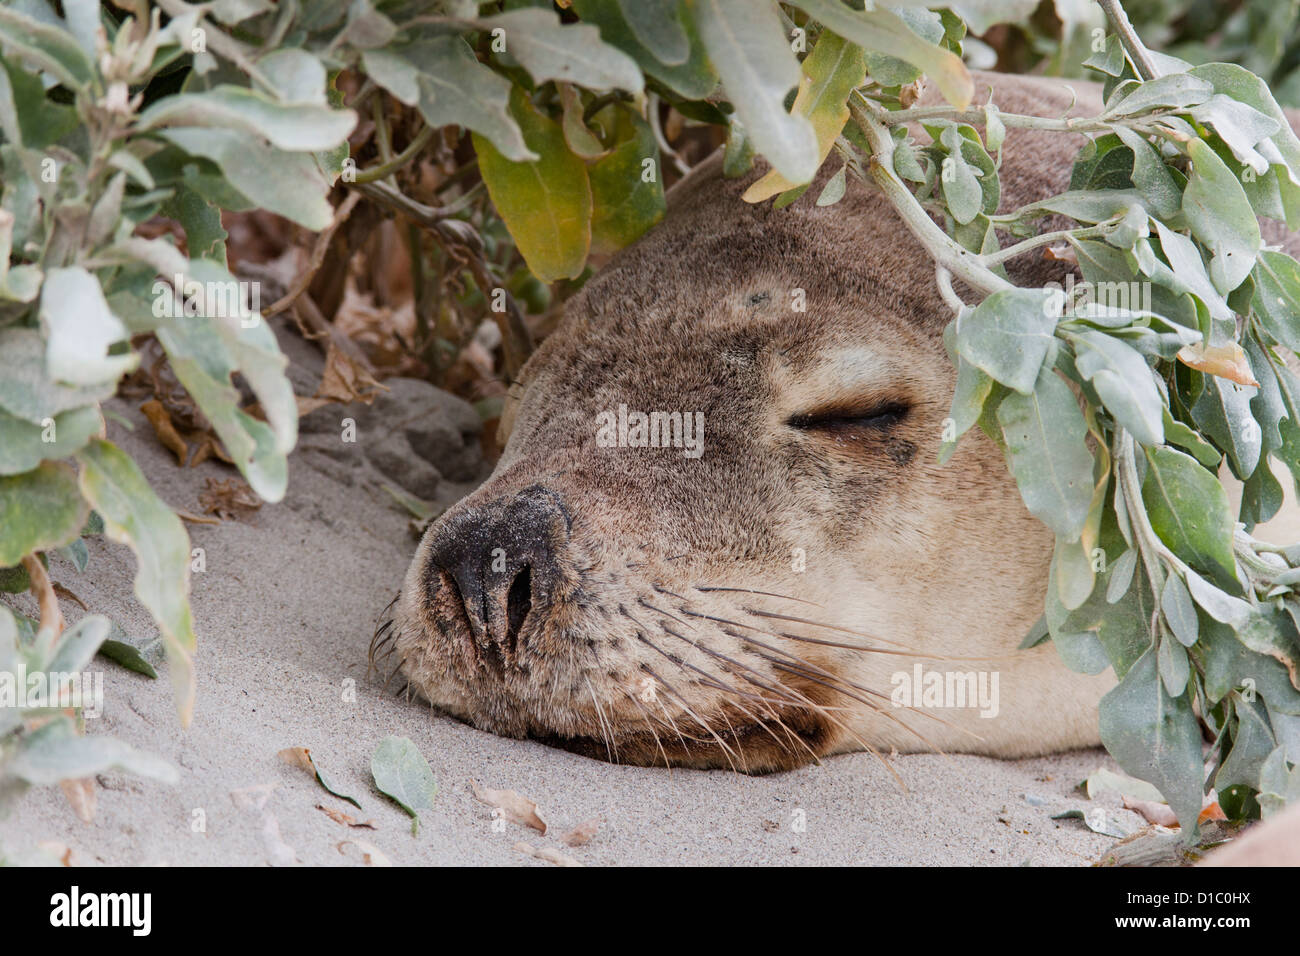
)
(718, 535)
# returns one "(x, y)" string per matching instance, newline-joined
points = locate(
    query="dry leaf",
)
(515, 808)
(1061, 254)
(581, 834)
(208, 447)
(1160, 814)
(1225, 361)
(549, 854)
(68, 595)
(345, 381)
(60, 851)
(81, 795)
(165, 429)
(281, 853)
(1211, 811)
(228, 498)
(371, 855)
(338, 816)
(253, 798)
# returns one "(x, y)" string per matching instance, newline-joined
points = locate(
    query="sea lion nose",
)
(502, 558)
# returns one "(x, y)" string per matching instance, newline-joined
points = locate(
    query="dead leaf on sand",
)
(371, 855)
(301, 757)
(582, 834)
(515, 808)
(165, 429)
(549, 854)
(228, 498)
(346, 819)
(1160, 814)
(254, 797)
(81, 795)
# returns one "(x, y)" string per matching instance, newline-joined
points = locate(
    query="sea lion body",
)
(792, 590)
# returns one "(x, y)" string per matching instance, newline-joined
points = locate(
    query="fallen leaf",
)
(343, 380)
(1211, 811)
(81, 795)
(338, 816)
(165, 429)
(67, 594)
(581, 834)
(281, 853)
(230, 498)
(1159, 813)
(254, 797)
(1226, 361)
(515, 808)
(549, 854)
(1061, 254)
(371, 855)
(401, 773)
(61, 852)
(301, 757)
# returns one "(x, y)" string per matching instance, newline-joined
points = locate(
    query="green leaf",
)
(23, 445)
(289, 184)
(831, 71)
(1124, 382)
(973, 388)
(55, 752)
(1190, 441)
(1219, 213)
(39, 510)
(1150, 176)
(546, 204)
(300, 127)
(747, 45)
(1156, 738)
(1189, 510)
(1277, 297)
(572, 53)
(1174, 667)
(694, 79)
(1221, 410)
(451, 87)
(1239, 83)
(134, 655)
(402, 773)
(1044, 434)
(1179, 611)
(205, 237)
(1178, 90)
(1252, 743)
(627, 194)
(884, 31)
(135, 516)
(1008, 336)
(50, 47)
(658, 26)
(80, 330)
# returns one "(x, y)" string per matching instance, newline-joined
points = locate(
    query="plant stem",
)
(386, 169)
(1133, 46)
(947, 252)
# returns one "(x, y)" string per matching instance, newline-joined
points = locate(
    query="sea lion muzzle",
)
(494, 567)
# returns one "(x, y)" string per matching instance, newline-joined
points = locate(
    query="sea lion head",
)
(719, 529)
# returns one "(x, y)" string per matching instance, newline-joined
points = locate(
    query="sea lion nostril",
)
(518, 603)
(503, 560)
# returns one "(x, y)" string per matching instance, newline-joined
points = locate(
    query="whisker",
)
(784, 597)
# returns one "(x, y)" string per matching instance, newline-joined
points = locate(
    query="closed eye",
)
(877, 417)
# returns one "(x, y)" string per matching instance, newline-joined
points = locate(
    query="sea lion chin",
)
(796, 575)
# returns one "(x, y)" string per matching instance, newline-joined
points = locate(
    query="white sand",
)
(285, 612)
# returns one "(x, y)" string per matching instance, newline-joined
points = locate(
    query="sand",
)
(285, 611)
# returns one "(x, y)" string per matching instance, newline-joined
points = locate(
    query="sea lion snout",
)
(498, 564)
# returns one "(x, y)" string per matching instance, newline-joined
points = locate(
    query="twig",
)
(386, 169)
(317, 256)
(1133, 46)
(51, 616)
(462, 241)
